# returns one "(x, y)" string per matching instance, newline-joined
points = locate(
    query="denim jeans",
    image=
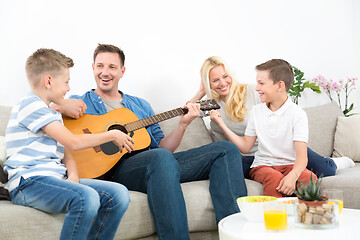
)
(93, 208)
(158, 172)
(321, 166)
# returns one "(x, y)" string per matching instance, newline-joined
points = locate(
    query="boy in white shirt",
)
(281, 128)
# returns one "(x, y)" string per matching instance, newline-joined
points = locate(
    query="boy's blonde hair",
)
(235, 100)
(45, 61)
(279, 70)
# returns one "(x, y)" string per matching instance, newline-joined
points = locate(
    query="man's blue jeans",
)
(321, 166)
(158, 172)
(93, 208)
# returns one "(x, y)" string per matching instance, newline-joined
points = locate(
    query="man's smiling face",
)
(108, 69)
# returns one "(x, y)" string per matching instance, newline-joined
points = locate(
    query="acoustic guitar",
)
(97, 161)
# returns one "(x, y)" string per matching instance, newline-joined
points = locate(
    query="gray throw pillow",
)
(322, 124)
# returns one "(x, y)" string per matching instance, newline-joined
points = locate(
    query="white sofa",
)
(18, 223)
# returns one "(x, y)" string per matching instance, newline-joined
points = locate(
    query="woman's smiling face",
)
(220, 81)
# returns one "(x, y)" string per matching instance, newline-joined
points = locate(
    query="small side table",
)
(236, 227)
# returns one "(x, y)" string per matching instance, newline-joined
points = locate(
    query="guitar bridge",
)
(96, 148)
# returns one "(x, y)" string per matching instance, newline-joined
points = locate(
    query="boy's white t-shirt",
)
(276, 133)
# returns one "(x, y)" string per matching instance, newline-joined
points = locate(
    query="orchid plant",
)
(329, 86)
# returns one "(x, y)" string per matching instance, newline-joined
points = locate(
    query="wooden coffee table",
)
(236, 227)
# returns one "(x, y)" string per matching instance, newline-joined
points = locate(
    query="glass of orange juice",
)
(275, 216)
(335, 195)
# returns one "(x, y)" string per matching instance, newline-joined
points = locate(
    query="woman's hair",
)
(235, 100)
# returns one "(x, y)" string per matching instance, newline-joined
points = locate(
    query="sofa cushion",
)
(322, 123)
(137, 221)
(2, 150)
(347, 138)
(348, 180)
(4, 118)
(199, 206)
(196, 134)
(4, 194)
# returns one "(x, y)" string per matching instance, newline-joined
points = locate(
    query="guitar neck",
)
(154, 119)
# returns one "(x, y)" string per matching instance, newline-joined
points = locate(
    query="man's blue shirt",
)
(138, 106)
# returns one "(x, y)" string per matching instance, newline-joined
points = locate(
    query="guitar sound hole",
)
(110, 148)
(118, 127)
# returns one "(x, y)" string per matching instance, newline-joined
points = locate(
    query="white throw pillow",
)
(2, 150)
(347, 138)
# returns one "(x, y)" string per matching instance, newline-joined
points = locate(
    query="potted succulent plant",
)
(311, 193)
(312, 208)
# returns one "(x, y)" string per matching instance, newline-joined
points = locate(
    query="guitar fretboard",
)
(154, 119)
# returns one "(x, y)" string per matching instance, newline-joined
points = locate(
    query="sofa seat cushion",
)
(199, 206)
(20, 222)
(137, 221)
(348, 180)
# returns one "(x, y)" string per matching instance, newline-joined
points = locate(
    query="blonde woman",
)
(236, 101)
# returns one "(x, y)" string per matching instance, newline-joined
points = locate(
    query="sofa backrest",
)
(322, 125)
(4, 118)
(196, 134)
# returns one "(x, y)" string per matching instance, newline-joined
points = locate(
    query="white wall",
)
(166, 42)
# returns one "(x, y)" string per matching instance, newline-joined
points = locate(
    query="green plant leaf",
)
(348, 110)
(299, 85)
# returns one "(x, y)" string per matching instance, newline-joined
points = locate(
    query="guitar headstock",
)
(209, 104)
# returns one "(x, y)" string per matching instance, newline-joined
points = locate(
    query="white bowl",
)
(252, 207)
(289, 201)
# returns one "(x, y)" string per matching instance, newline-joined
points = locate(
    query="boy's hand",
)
(287, 184)
(194, 112)
(73, 179)
(123, 140)
(216, 117)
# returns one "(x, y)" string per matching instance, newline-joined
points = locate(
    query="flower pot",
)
(318, 214)
(313, 203)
